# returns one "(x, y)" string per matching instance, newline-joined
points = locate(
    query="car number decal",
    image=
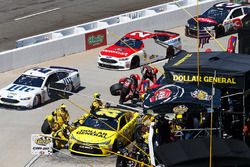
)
(42, 70)
(112, 114)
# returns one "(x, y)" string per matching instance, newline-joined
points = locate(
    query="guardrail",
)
(90, 35)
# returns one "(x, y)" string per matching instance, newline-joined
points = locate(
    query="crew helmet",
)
(96, 95)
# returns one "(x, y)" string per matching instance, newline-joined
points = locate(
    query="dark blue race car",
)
(222, 18)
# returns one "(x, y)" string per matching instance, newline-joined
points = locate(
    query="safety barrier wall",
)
(71, 40)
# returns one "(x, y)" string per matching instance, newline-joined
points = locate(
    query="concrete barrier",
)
(71, 40)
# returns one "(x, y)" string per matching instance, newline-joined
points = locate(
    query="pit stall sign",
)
(41, 144)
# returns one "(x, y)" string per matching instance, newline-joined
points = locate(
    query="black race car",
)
(222, 18)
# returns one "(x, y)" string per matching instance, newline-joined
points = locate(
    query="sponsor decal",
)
(182, 60)
(43, 140)
(208, 79)
(161, 94)
(92, 133)
(180, 109)
(42, 70)
(20, 88)
(115, 52)
(237, 23)
(41, 144)
(95, 39)
(201, 95)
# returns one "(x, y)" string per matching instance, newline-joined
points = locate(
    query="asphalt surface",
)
(23, 18)
(16, 126)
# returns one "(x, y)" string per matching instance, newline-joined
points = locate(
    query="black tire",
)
(45, 127)
(115, 146)
(115, 89)
(170, 52)
(36, 101)
(135, 62)
(219, 31)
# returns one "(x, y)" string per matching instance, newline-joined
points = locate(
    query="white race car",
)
(31, 88)
(138, 48)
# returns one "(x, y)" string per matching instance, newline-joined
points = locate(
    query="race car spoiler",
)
(66, 68)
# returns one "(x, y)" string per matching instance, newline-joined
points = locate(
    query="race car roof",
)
(140, 35)
(224, 63)
(226, 5)
(39, 71)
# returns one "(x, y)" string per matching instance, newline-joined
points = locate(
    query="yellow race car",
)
(104, 132)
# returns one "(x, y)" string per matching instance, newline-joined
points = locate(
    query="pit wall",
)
(75, 39)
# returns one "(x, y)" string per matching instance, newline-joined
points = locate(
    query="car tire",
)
(116, 146)
(36, 101)
(115, 89)
(219, 31)
(135, 62)
(170, 52)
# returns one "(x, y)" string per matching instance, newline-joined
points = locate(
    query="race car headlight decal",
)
(25, 98)
(106, 142)
(123, 59)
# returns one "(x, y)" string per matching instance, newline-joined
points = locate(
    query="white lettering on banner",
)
(140, 34)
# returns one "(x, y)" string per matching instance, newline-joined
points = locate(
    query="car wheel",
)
(170, 52)
(135, 62)
(115, 89)
(36, 101)
(219, 31)
(116, 146)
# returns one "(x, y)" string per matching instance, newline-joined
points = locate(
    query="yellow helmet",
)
(96, 95)
(179, 116)
(62, 106)
(50, 118)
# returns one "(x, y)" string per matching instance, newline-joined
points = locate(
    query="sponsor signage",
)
(95, 39)
(41, 144)
(207, 79)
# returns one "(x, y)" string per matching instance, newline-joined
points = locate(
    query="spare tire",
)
(116, 89)
(45, 127)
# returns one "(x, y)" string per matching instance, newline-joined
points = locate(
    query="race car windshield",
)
(101, 123)
(129, 42)
(29, 81)
(217, 14)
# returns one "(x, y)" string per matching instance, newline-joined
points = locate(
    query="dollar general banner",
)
(219, 81)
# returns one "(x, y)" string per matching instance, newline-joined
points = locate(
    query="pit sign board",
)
(41, 144)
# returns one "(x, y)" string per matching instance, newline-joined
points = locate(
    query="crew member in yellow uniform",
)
(61, 137)
(61, 115)
(53, 124)
(97, 103)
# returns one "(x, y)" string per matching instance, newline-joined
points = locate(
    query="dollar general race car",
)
(139, 47)
(103, 131)
(31, 88)
(221, 18)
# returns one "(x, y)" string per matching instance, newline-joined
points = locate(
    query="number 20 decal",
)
(112, 114)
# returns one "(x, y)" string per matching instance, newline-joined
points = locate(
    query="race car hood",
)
(203, 22)
(91, 135)
(17, 91)
(118, 51)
